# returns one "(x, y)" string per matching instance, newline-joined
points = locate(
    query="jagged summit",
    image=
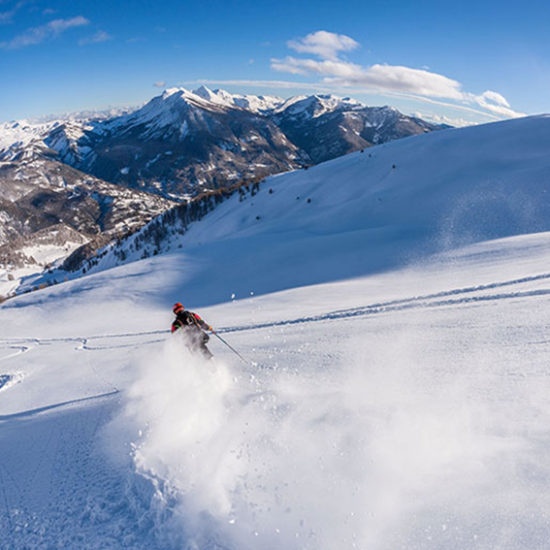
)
(317, 105)
(256, 103)
(217, 96)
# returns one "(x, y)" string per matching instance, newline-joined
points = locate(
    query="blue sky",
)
(450, 61)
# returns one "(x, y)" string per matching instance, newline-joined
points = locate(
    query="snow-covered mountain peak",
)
(256, 103)
(175, 91)
(317, 105)
(169, 108)
(173, 95)
(219, 97)
(22, 133)
(329, 102)
(170, 91)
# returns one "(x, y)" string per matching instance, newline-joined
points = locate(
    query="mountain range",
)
(89, 179)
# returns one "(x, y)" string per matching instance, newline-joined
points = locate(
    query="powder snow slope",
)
(400, 406)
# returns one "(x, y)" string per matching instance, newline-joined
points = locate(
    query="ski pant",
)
(195, 339)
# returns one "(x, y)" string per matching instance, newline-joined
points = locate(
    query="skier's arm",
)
(202, 324)
(176, 325)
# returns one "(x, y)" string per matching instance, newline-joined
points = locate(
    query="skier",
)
(192, 328)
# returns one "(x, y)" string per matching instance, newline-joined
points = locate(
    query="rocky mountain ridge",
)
(183, 142)
(88, 179)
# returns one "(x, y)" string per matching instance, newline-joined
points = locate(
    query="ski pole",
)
(232, 348)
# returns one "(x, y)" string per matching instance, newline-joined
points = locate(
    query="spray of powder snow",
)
(383, 451)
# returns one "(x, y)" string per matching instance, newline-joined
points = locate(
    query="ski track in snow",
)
(40, 410)
(452, 297)
(20, 349)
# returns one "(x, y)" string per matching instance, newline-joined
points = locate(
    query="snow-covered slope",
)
(407, 409)
(369, 211)
(20, 140)
(400, 402)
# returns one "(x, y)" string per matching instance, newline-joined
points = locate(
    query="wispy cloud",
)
(160, 84)
(37, 35)
(443, 119)
(494, 102)
(332, 88)
(422, 83)
(97, 38)
(7, 16)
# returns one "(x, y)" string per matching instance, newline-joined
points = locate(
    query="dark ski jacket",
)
(189, 319)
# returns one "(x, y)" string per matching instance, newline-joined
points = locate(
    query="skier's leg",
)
(206, 352)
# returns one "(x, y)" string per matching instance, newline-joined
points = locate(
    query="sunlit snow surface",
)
(403, 410)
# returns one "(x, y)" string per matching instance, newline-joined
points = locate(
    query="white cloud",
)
(495, 103)
(37, 35)
(421, 83)
(160, 84)
(495, 97)
(325, 45)
(7, 16)
(98, 37)
(404, 79)
(379, 77)
(443, 119)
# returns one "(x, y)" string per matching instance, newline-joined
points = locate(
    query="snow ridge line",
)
(33, 412)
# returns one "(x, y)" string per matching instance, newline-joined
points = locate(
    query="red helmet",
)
(177, 308)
